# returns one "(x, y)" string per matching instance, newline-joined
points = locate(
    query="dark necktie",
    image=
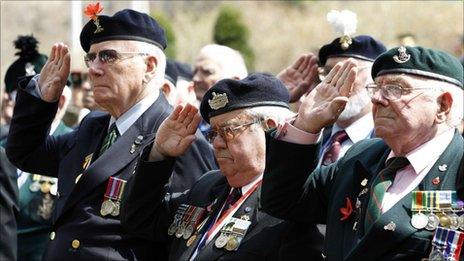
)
(332, 151)
(110, 138)
(231, 200)
(379, 186)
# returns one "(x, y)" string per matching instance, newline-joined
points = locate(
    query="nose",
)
(378, 98)
(219, 143)
(94, 69)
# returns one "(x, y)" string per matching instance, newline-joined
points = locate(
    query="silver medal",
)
(461, 222)
(106, 207)
(188, 231)
(180, 230)
(116, 209)
(454, 221)
(432, 222)
(419, 221)
(35, 186)
(172, 228)
(54, 189)
(221, 241)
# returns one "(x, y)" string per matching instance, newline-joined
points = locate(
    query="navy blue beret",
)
(124, 25)
(362, 47)
(171, 73)
(257, 89)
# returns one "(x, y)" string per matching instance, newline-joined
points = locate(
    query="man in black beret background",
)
(126, 69)
(374, 198)
(219, 217)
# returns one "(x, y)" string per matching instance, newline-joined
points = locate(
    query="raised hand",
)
(55, 72)
(299, 76)
(177, 132)
(326, 102)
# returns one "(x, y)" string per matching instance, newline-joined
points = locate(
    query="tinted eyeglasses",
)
(109, 56)
(229, 132)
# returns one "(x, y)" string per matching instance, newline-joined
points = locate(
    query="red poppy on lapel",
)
(347, 210)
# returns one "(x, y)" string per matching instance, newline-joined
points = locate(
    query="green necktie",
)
(110, 138)
(378, 188)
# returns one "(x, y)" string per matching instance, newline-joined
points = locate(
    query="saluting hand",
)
(326, 102)
(177, 132)
(54, 73)
(299, 76)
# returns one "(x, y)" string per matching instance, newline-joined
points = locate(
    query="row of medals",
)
(44, 184)
(233, 233)
(110, 207)
(432, 220)
(185, 224)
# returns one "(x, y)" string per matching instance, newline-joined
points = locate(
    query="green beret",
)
(420, 61)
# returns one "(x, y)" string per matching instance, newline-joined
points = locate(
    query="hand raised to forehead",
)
(299, 76)
(326, 102)
(55, 72)
(177, 132)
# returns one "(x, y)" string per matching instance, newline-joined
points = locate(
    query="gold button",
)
(52, 235)
(75, 243)
(78, 178)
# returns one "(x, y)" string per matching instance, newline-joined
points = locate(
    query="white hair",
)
(154, 50)
(278, 114)
(230, 60)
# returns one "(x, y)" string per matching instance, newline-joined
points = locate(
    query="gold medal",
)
(191, 240)
(221, 241)
(232, 243)
(45, 187)
(444, 220)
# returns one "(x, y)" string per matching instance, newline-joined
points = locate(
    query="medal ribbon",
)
(230, 212)
(458, 242)
(115, 188)
(439, 239)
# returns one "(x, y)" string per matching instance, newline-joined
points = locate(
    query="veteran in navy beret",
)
(395, 197)
(126, 67)
(219, 218)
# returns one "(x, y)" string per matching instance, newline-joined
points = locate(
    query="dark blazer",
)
(77, 212)
(8, 208)
(288, 193)
(147, 211)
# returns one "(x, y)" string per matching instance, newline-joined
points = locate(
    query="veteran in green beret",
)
(389, 198)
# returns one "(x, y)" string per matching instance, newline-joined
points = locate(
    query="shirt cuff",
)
(290, 133)
(33, 87)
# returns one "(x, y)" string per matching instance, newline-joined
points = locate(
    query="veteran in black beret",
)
(126, 65)
(395, 197)
(219, 218)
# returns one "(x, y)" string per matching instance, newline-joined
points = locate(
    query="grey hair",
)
(154, 50)
(278, 114)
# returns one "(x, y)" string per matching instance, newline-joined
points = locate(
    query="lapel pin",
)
(245, 217)
(390, 226)
(247, 209)
(136, 144)
(442, 167)
(436, 181)
(87, 161)
(364, 182)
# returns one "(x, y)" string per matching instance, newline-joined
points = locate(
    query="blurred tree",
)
(164, 22)
(229, 30)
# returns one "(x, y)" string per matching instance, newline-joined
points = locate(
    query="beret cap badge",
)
(92, 11)
(402, 57)
(218, 101)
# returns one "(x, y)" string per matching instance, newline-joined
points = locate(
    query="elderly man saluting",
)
(392, 198)
(126, 68)
(219, 218)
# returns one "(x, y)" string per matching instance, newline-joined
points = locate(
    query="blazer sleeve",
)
(293, 188)
(29, 147)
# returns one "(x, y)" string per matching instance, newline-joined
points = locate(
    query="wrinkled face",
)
(205, 74)
(117, 85)
(410, 117)
(242, 158)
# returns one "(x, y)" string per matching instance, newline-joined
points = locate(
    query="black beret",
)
(420, 61)
(257, 89)
(362, 47)
(124, 25)
(171, 73)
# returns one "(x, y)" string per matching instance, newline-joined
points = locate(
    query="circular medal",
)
(454, 221)
(45, 187)
(221, 241)
(106, 207)
(432, 222)
(172, 228)
(34, 187)
(54, 189)
(232, 243)
(436, 255)
(180, 230)
(116, 209)
(188, 231)
(419, 221)
(461, 222)
(191, 240)
(444, 220)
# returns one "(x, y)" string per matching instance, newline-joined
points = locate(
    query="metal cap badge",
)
(402, 56)
(343, 23)
(218, 101)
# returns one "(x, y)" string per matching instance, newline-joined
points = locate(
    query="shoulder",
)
(363, 148)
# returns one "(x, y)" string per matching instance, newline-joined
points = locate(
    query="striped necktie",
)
(332, 151)
(110, 138)
(378, 188)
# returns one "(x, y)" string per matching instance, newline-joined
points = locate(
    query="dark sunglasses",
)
(109, 56)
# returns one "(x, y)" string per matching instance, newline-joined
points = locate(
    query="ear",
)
(166, 89)
(269, 124)
(61, 101)
(445, 101)
(152, 65)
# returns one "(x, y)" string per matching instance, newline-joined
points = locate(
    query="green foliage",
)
(230, 31)
(169, 31)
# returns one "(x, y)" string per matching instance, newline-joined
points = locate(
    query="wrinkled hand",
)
(177, 132)
(55, 72)
(326, 102)
(299, 76)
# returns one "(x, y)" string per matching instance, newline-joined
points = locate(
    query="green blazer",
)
(289, 192)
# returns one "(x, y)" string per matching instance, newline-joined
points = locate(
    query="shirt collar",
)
(358, 130)
(429, 152)
(128, 118)
(248, 186)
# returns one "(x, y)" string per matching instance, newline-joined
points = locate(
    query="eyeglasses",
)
(322, 72)
(109, 56)
(228, 133)
(389, 91)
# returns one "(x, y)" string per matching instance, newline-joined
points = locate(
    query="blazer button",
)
(52, 235)
(75, 244)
